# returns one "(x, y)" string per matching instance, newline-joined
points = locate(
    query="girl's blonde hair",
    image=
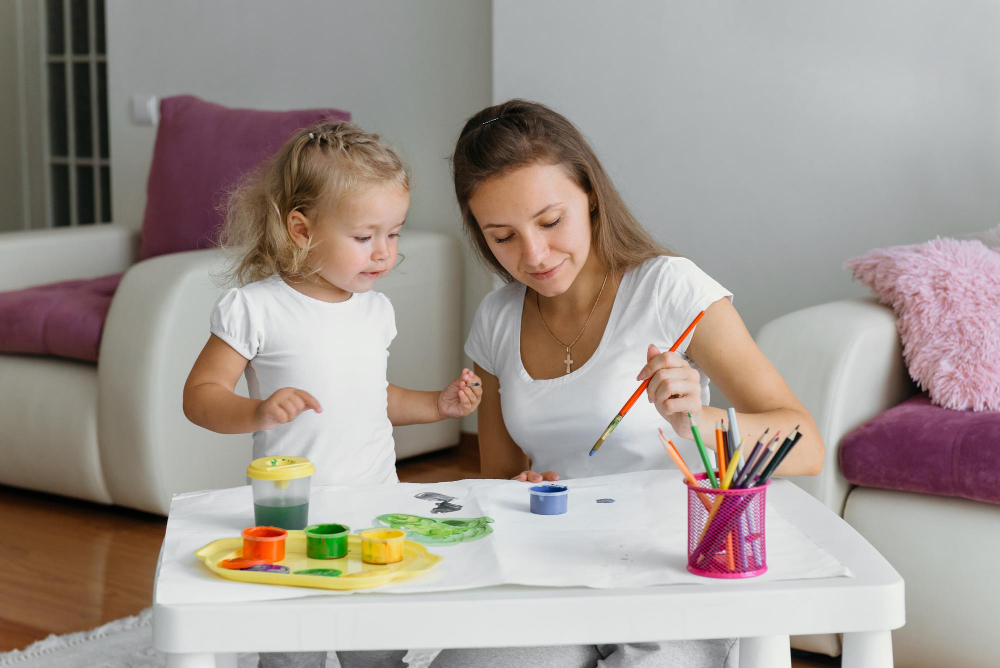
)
(317, 167)
(517, 133)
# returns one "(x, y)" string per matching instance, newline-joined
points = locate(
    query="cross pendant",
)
(568, 361)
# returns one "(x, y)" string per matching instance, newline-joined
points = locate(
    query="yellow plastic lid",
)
(280, 468)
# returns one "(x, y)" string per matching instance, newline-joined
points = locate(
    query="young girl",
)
(316, 227)
(591, 299)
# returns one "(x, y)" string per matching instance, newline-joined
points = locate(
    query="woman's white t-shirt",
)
(337, 352)
(556, 421)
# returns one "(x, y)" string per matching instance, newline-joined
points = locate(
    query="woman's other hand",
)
(534, 476)
(674, 388)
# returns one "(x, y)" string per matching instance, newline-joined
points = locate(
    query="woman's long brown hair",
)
(517, 133)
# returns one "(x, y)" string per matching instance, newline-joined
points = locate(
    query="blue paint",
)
(549, 499)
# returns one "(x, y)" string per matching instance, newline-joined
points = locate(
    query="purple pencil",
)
(748, 462)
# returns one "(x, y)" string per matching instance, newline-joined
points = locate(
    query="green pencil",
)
(703, 453)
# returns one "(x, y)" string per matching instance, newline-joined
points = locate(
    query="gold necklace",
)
(568, 361)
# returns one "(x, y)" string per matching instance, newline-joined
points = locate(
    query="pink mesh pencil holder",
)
(726, 530)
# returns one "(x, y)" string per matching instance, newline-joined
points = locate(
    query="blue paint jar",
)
(549, 499)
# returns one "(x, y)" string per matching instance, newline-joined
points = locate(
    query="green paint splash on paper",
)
(431, 531)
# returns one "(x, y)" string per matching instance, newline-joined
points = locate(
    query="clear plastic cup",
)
(281, 491)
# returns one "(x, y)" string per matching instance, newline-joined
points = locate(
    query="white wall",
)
(410, 71)
(770, 141)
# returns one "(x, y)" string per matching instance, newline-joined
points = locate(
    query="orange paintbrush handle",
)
(645, 383)
(635, 395)
(679, 341)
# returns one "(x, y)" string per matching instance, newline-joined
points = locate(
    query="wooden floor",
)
(69, 566)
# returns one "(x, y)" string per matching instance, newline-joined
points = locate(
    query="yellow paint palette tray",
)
(355, 574)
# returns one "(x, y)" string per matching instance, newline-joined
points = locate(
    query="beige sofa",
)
(844, 361)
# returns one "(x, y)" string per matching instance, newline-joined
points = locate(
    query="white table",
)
(865, 608)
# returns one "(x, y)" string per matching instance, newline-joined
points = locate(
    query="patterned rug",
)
(127, 643)
(123, 643)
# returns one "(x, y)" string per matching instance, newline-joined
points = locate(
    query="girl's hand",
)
(461, 397)
(532, 476)
(675, 389)
(284, 406)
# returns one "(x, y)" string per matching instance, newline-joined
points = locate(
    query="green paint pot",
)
(326, 541)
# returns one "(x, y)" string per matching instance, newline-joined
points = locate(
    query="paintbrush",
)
(642, 388)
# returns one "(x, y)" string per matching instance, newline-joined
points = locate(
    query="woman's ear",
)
(298, 228)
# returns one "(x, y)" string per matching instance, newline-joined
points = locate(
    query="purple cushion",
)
(201, 150)
(919, 447)
(64, 319)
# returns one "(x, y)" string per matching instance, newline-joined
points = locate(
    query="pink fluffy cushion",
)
(946, 294)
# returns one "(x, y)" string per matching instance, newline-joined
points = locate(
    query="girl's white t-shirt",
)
(335, 352)
(557, 421)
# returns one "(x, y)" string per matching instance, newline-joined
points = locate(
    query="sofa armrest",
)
(157, 325)
(844, 361)
(46, 256)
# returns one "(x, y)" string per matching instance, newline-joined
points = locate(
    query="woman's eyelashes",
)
(511, 235)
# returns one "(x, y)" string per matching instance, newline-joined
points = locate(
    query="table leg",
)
(766, 652)
(194, 660)
(870, 649)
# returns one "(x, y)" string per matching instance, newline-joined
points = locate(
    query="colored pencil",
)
(720, 450)
(781, 457)
(718, 499)
(776, 460)
(676, 456)
(679, 461)
(773, 464)
(740, 552)
(759, 464)
(642, 388)
(727, 477)
(716, 506)
(728, 516)
(703, 453)
(734, 430)
(752, 457)
(702, 550)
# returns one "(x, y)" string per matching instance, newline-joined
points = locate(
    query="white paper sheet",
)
(638, 540)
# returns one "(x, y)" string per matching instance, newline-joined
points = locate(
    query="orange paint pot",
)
(266, 543)
(382, 546)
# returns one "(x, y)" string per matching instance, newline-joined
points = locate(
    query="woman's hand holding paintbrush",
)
(674, 388)
(646, 376)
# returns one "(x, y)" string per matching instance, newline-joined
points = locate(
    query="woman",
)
(591, 301)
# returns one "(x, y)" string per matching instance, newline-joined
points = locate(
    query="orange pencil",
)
(720, 451)
(642, 388)
(676, 456)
